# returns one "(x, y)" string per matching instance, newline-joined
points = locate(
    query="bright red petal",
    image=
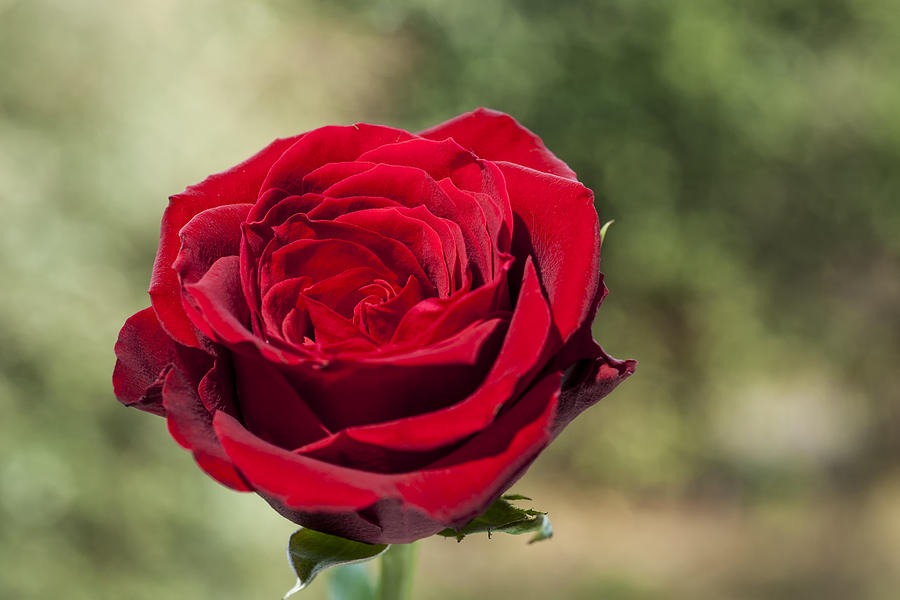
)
(496, 136)
(557, 223)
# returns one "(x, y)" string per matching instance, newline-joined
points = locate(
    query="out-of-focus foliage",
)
(748, 151)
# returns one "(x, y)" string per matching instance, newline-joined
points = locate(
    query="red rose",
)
(371, 328)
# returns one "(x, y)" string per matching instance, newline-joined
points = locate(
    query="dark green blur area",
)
(748, 152)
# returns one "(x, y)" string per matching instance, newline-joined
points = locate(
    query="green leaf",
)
(604, 229)
(502, 516)
(311, 552)
(514, 497)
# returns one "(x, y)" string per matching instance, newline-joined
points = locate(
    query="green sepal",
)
(604, 229)
(502, 516)
(311, 552)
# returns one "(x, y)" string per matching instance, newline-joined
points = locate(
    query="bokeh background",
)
(748, 151)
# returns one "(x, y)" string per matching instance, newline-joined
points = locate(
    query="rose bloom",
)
(374, 330)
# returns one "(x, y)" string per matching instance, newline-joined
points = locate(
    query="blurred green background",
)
(748, 152)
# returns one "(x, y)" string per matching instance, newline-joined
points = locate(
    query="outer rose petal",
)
(556, 222)
(339, 500)
(496, 136)
(588, 381)
(145, 354)
(238, 185)
(190, 423)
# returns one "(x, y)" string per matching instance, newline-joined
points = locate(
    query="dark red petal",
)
(449, 492)
(322, 146)
(340, 449)
(357, 386)
(588, 381)
(557, 223)
(510, 374)
(190, 423)
(297, 328)
(238, 185)
(144, 355)
(497, 136)
(271, 408)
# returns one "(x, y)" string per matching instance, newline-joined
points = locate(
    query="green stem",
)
(397, 568)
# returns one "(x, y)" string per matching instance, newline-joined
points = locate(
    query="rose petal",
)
(210, 235)
(422, 240)
(587, 382)
(447, 161)
(454, 247)
(438, 318)
(238, 185)
(496, 136)
(279, 301)
(449, 492)
(510, 374)
(331, 208)
(331, 328)
(323, 258)
(342, 292)
(322, 146)
(412, 187)
(322, 178)
(355, 386)
(271, 408)
(190, 424)
(144, 355)
(557, 223)
(216, 306)
(381, 320)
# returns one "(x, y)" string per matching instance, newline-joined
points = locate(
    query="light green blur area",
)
(749, 153)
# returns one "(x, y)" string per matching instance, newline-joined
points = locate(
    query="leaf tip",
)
(604, 229)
